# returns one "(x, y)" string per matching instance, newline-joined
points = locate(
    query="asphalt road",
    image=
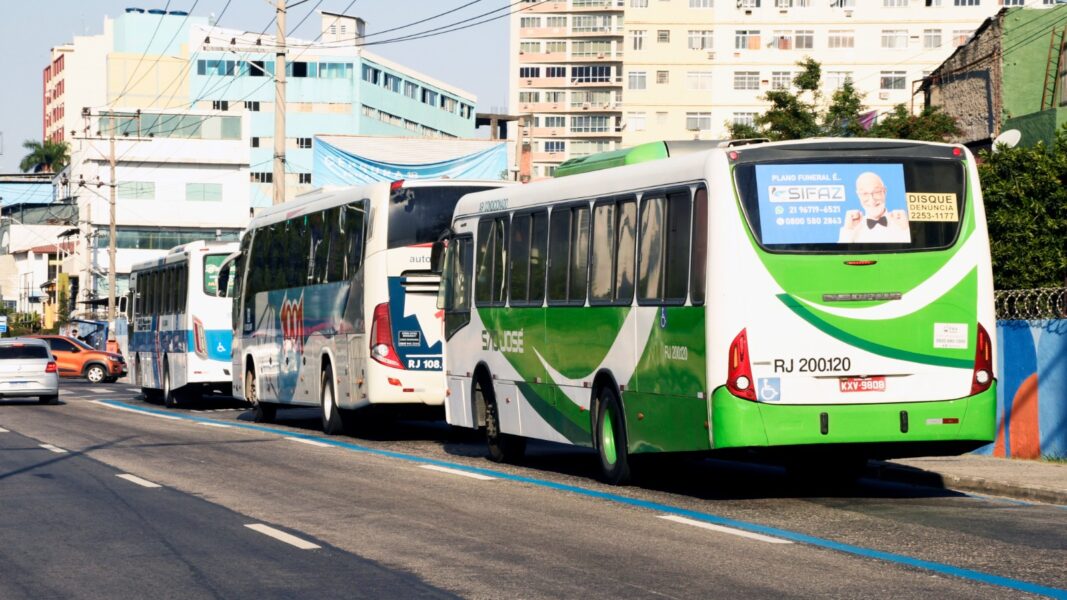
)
(409, 509)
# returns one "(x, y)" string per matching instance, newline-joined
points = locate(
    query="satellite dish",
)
(1009, 138)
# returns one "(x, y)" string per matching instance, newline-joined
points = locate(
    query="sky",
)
(473, 59)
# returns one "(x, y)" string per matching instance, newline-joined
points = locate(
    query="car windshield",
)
(22, 351)
(79, 343)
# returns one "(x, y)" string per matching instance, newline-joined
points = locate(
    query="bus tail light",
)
(381, 344)
(199, 338)
(51, 367)
(739, 374)
(982, 377)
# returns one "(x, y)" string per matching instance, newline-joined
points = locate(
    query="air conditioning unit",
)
(600, 55)
(883, 95)
(585, 106)
(553, 132)
(711, 56)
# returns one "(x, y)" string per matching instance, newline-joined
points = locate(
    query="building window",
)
(748, 3)
(663, 36)
(261, 177)
(895, 38)
(893, 80)
(1023, 2)
(529, 72)
(255, 142)
(663, 77)
(701, 4)
(638, 3)
(530, 22)
(747, 39)
(638, 39)
(530, 48)
(836, 79)
(745, 118)
(701, 39)
(635, 121)
(591, 124)
(804, 39)
(746, 80)
(136, 190)
(554, 146)
(698, 80)
(842, 3)
(411, 90)
(697, 121)
(591, 74)
(203, 192)
(555, 47)
(304, 178)
(781, 80)
(782, 40)
(637, 80)
(556, 121)
(303, 142)
(529, 97)
(931, 38)
(556, 22)
(252, 105)
(220, 105)
(967, 2)
(555, 71)
(960, 36)
(895, 3)
(392, 83)
(554, 97)
(372, 75)
(841, 38)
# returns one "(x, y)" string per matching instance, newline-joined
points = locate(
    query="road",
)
(412, 509)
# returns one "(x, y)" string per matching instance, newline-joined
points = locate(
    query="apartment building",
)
(592, 75)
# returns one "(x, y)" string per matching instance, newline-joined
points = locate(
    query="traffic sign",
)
(3, 323)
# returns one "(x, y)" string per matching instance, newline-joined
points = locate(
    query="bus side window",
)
(624, 257)
(600, 266)
(335, 250)
(354, 232)
(520, 259)
(579, 277)
(458, 269)
(559, 244)
(538, 257)
(698, 277)
(663, 258)
(490, 284)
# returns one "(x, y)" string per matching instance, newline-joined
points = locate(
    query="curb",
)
(886, 471)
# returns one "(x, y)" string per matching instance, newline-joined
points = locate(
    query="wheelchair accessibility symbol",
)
(770, 389)
(220, 348)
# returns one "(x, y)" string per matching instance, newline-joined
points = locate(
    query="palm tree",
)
(47, 156)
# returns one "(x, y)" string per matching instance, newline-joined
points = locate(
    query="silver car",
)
(28, 369)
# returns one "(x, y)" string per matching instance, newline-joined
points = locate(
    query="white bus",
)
(180, 334)
(822, 301)
(334, 301)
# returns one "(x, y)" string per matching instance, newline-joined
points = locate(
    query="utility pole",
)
(111, 245)
(278, 178)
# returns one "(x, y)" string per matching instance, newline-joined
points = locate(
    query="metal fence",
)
(1031, 305)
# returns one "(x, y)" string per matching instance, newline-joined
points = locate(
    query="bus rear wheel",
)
(503, 447)
(171, 398)
(610, 438)
(332, 423)
(261, 412)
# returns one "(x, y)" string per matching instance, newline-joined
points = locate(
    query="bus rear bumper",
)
(955, 426)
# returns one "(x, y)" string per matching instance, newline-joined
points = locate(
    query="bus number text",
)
(813, 365)
(431, 364)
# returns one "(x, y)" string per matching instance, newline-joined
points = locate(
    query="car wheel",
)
(95, 374)
(503, 447)
(53, 399)
(332, 423)
(261, 412)
(611, 439)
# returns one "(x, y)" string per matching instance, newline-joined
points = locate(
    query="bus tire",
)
(610, 438)
(332, 422)
(503, 447)
(261, 412)
(170, 397)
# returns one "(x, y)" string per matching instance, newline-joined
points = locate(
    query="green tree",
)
(931, 125)
(62, 307)
(791, 115)
(1026, 211)
(47, 156)
(842, 117)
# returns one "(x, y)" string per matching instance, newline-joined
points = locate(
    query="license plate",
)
(862, 384)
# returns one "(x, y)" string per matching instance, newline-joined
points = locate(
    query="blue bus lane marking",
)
(900, 559)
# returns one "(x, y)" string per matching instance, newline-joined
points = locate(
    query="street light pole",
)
(111, 242)
(278, 178)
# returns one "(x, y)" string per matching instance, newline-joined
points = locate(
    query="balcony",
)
(566, 32)
(562, 6)
(562, 57)
(548, 132)
(563, 107)
(530, 57)
(613, 132)
(543, 82)
(554, 157)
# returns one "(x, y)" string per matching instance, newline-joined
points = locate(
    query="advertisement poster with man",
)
(833, 203)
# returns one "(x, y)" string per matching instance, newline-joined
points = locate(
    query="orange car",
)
(75, 358)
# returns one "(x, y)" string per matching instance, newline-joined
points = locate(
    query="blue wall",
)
(134, 32)
(16, 193)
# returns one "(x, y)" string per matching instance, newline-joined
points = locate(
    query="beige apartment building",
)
(594, 75)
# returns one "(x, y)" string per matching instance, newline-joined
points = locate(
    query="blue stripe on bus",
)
(891, 557)
(219, 342)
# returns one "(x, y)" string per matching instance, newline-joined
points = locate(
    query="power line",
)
(159, 24)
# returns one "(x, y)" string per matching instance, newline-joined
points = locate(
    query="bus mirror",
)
(437, 256)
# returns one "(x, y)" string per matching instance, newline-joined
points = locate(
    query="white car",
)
(27, 368)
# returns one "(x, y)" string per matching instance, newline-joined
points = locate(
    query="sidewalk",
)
(1036, 480)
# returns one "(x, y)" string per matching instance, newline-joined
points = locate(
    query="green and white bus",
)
(828, 299)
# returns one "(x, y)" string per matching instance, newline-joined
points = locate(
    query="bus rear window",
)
(212, 264)
(418, 215)
(851, 207)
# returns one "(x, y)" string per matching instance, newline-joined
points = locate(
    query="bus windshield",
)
(853, 206)
(212, 265)
(418, 215)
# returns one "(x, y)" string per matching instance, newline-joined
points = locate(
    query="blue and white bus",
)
(334, 301)
(180, 332)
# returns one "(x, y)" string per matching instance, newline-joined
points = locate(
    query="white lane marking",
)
(66, 392)
(138, 480)
(2, 430)
(53, 448)
(140, 412)
(308, 442)
(100, 390)
(281, 536)
(729, 530)
(138, 390)
(461, 472)
(212, 424)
